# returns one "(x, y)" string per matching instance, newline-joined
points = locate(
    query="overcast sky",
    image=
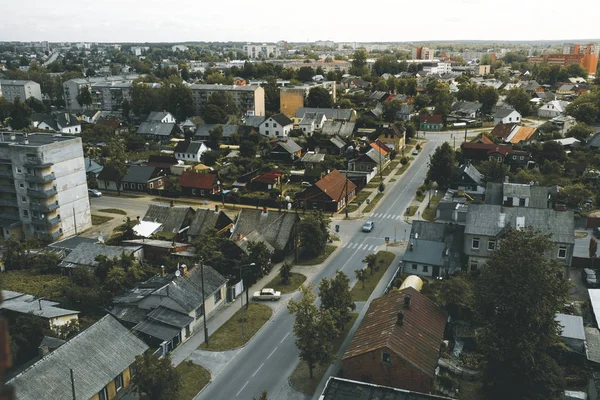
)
(294, 21)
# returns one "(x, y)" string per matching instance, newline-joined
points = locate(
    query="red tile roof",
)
(430, 118)
(380, 149)
(334, 185)
(417, 340)
(481, 138)
(270, 177)
(197, 181)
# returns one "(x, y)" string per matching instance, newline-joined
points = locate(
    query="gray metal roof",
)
(131, 314)
(204, 220)
(340, 128)
(337, 142)
(253, 237)
(204, 130)
(140, 174)
(157, 115)
(493, 193)
(96, 356)
(173, 219)
(312, 157)
(281, 119)
(156, 329)
(473, 173)
(86, 253)
(485, 220)
(170, 317)
(28, 304)
(330, 113)
(275, 227)
(289, 145)
(71, 243)
(155, 128)
(254, 121)
(425, 252)
(571, 326)
(504, 112)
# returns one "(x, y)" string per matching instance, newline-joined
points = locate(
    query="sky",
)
(297, 21)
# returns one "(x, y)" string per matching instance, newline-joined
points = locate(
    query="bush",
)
(404, 160)
(471, 360)
(419, 193)
(418, 146)
(447, 381)
(277, 256)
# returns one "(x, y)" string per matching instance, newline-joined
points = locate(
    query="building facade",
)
(249, 100)
(12, 89)
(107, 93)
(261, 50)
(43, 186)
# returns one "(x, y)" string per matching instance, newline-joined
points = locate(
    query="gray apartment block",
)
(43, 187)
(108, 93)
(11, 89)
(249, 100)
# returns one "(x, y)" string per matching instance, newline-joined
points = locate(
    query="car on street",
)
(94, 193)
(266, 294)
(368, 226)
(589, 277)
(415, 152)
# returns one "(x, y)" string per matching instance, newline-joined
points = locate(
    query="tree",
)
(209, 158)
(458, 296)
(36, 105)
(518, 294)
(593, 250)
(272, 95)
(359, 63)
(319, 97)
(586, 112)
(520, 100)
(335, 297)
(115, 280)
(421, 101)
(263, 396)
(573, 195)
(116, 161)
(247, 149)
(215, 136)
(488, 97)
(213, 114)
(172, 184)
(442, 166)
(20, 115)
(361, 275)
(581, 131)
(285, 272)
(156, 378)
(126, 107)
(371, 261)
(314, 329)
(26, 333)
(261, 257)
(305, 74)
(84, 97)
(312, 235)
(390, 109)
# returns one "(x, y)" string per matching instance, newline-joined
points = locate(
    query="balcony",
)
(50, 222)
(6, 161)
(43, 207)
(40, 178)
(40, 193)
(6, 173)
(32, 162)
(7, 188)
(50, 236)
(8, 202)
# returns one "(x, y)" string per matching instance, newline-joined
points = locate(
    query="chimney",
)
(162, 271)
(90, 161)
(138, 219)
(407, 301)
(216, 208)
(265, 211)
(400, 320)
(172, 203)
(183, 269)
(40, 303)
(43, 350)
(411, 247)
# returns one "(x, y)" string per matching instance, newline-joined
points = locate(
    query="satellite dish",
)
(177, 273)
(162, 267)
(289, 206)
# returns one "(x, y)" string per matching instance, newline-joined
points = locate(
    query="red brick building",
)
(398, 342)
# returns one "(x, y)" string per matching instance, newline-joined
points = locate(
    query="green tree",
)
(421, 101)
(517, 296)
(272, 95)
(213, 114)
(116, 161)
(593, 250)
(442, 166)
(215, 136)
(573, 195)
(312, 235)
(115, 280)
(285, 273)
(126, 107)
(263, 396)
(156, 378)
(520, 100)
(314, 329)
(247, 149)
(359, 63)
(361, 275)
(584, 111)
(458, 296)
(488, 97)
(468, 91)
(581, 131)
(209, 158)
(335, 296)
(390, 109)
(20, 115)
(319, 97)
(261, 257)
(305, 74)
(371, 261)
(172, 184)
(27, 331)
(84, 97)
(36, 105)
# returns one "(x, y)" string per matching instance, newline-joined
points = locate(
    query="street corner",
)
(214, 361)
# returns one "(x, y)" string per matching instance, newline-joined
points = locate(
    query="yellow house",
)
(97, 363)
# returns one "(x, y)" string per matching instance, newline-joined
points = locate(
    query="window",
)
(425, 268)
(19, 170)
(522, 202)
(475, 243)
(23, 199)
(119, 382)
(217, 296)
(473, 266)
(160, 181)
(126, 186)
(562, 252)
(386, 359)
(277, 133)
(21, 185)
(199, 311)
(151, 185)
(522, 158)
(414, 267)
(267, 133)
(140, 186)
(491, 245)
(103, 395)
(25, 213)
(266, 125)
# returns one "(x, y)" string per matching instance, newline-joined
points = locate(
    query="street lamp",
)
(349, 154)
(203, 303)
(242, 298)
(222, 194)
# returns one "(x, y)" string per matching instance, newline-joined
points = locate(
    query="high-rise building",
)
(249, 100)
(575, 48)
(423, 53)
(11, 89)
(261, 50)
(107, 93)
(43, 186)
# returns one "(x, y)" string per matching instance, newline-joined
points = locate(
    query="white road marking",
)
(371, 247)
(286, 335)
(344, 245)
(272, 353)
(255, 372)
(354, 245)
(238, 393)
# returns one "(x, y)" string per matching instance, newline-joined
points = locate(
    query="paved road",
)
(269, 359)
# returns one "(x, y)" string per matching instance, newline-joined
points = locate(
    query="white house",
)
(312, 122)
(507, 116)
(552, 109)
(163, 117)
(61, 122)
(278, 125)
(189, 151)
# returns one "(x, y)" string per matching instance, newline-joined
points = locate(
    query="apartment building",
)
(261, 50)
(249, 100)
(107, 93)
(12, 89)
(43, 187)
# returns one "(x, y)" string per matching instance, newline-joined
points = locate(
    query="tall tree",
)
(488, 97)
(371, 261)
(156, 378)
(359, 63)
(215, 137)
(593, 250)
(442, 166)
(36, 105)
(311, 235)
(319, 97)
(518, 294)
(116, 160)
(314, 329)
(305, 74)
(335, 297)
(520, 100)
(390, 109)
(84, 97)
(20, 115)
(361, 275)
(285, 273)
(248, 149)
(272, 95)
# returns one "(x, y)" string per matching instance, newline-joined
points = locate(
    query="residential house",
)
(373, 158)
(430, 122)
(594, 141)
(159, 126)
(572, 333)
(531, 87)
(486, 224)
(346, 389)
(343, 129)
(203, 132)
(552, 109)
(279, 125)
(190, 151)
(199, 184)
(332, 114)
(393, 136)
(90, 116)
(503, 153)
(267, 181)
(285, 150)
(467, 109)
(174, 220)
(334, 145)
(95, 364)
(26, 304)
(61, 122)
(328, 194)
(470, 181)
(114, 124)
(188, 127)
(206, 220)
(85, 254)
(142, 179)
(278, 228)
(519, 195)
(513, 133)
(563, 123)
(162, 161)
(312, 160)
(434, 249)
(254, 121)
(507, 116)
(398, 342)
(406, 112)
(312, 122)
(158, 248)
(92, 168)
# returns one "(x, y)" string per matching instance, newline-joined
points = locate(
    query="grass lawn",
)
(113, 211)
(193, 379)
(373, 203)
(362, 196)
(420, 198)
(300, 378)
(318, 259)
(295, 281)
(34, 282)
(471, 390)
(403, 168)
(229, 335)
(99, 219)
(360, 293)
(429, 213)
(412, 211)
(392, 180)
(351, 208)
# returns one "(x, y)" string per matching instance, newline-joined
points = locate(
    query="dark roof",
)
(466, 107)
(345, 389)
(435, 243)
(71, 243)
(473, 173)
(157, 115)
(254, 121)
(204, 130)
(161, 160)
(594, 141)
(430, 118)
(417, 340)
(96, 356)
(276, 227)
(51, 342)
(139, 174)
(281, 119)
(208, 219)
(212, 279)
(187, 146)
(86, 253)
(108, 173)
(191, 179)
(91, 166)
(341, 128)
(334, 185)
(288, 145)
(330, 113)
(27, 304)
(494, 193)
(173, 219)
(504, 112)
(156, 329)
(170, 317)
(502, 130)
(156, 128)
(131, 314)
(111, 123)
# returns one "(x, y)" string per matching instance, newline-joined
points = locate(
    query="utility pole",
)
(72, 384)
(203, 304)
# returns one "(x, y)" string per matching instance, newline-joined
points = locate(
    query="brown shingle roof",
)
(379, 149)
(197, 181)
(417, 340)
(523, 133)
(502, 130)
(430, 118)
(334, 185)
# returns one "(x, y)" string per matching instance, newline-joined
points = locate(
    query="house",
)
(594, 141)
(563, 123)
(370, 160)
(334, 145)
(199, 184)
(430, 122)
(393, 136)
(190, 151)
(434, 249)
(285, 150)
(141, 179)
(61, 122)
(531, 87)
(279, 125)
(162, 161)
(206, 220)
(157, 248)
(406, 112)
(85, 254)
(98, 360)
(518, 195)
(20, 303)
(90, 116)
(328, 193)
(332, 114)
(467, 109)
(486, 224)
(159, 126)
(343, 129)
(470, 180)
(188, 126)
(312, 159)
(398, 342)
(552, 109)
(507, 116)
(267, 181)
(203, 132)
(173, 219)
(346, 389)
(312, 122)
(278, 228)
(571, 332)
(92, 168)
(114, 124)
(503, 153)
(513, 133)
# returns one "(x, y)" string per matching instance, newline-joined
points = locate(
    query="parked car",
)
(368, 226)
(94, 193)
(589, 277)
(266, 294)
(415, 152)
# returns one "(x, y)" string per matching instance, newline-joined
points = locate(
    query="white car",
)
(267, 294)
(94, 193)
(368, 226)
(415, 152)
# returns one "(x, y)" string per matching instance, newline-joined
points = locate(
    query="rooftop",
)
(28, 304)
